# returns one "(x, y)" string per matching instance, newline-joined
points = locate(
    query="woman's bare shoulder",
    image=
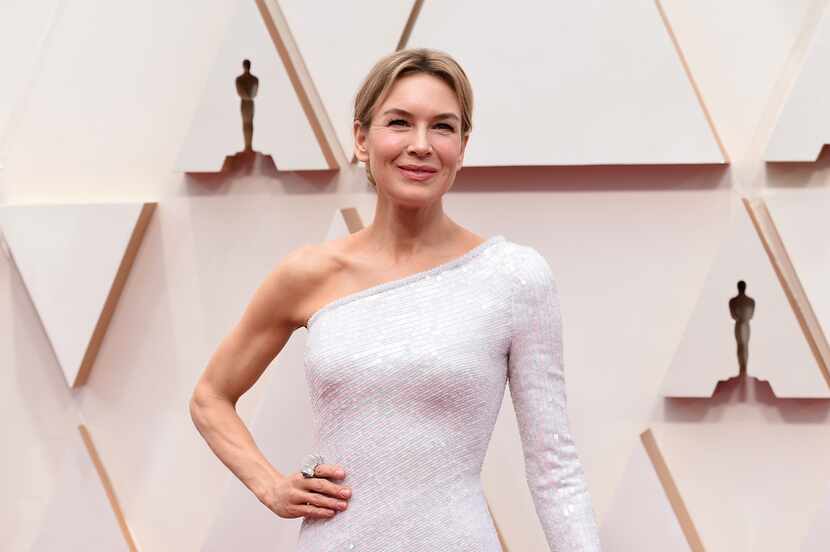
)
(301, 272)
(312, 263)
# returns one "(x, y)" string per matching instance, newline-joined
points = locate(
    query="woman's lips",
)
(416, 175)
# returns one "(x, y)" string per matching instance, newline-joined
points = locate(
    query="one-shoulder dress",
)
(406, 379)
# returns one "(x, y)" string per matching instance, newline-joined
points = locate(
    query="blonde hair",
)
(388, 69)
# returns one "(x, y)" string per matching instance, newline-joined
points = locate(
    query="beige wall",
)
(103, 118)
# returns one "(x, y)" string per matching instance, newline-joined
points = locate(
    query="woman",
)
(415, 325)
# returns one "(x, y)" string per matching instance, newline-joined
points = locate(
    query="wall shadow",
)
(737, 391)
(257, 172)
(799, 174)
(593, 178)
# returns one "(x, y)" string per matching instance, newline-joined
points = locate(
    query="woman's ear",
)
(463, 149)
(360, 151)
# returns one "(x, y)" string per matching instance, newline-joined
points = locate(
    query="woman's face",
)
(417, 125)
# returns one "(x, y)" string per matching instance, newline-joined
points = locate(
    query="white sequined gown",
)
(406, 381)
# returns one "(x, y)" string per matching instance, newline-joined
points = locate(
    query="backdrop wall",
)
(101, 114)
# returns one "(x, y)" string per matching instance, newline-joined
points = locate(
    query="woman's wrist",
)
(263, 483)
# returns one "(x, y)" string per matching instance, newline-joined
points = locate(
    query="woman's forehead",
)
(421, 94)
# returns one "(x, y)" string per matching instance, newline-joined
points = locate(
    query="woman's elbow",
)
(199, 404)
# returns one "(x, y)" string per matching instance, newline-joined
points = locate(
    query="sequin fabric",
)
(406, 380)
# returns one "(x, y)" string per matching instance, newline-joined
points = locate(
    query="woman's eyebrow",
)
(398, 111)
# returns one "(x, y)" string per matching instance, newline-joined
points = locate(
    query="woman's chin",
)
(413, 194)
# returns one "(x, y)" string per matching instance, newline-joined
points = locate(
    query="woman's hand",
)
(314, 497)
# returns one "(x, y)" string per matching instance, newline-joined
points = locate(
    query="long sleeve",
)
(536, 379)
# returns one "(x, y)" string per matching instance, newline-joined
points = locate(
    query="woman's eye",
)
(401, 121)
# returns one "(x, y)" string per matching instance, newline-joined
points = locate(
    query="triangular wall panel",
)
(778, 349)
(84, 514)
(735, 64)
(281, 125)
(647, 513)
(803, 126)
(336, 56)
(802, 219)
(74, 261)
(563, 83)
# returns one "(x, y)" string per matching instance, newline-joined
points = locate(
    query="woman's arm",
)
(537, 386)
(267, 323)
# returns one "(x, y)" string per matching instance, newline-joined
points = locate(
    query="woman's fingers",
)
(318, 497)
(326, 487)
(326, 494)
(310, 511)
(329, 471)
(323, 501)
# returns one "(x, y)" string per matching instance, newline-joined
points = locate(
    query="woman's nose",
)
(420, 143)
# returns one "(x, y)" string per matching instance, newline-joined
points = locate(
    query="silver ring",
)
(310, 464)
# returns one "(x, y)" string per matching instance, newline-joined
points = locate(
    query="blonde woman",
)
(415, 326)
